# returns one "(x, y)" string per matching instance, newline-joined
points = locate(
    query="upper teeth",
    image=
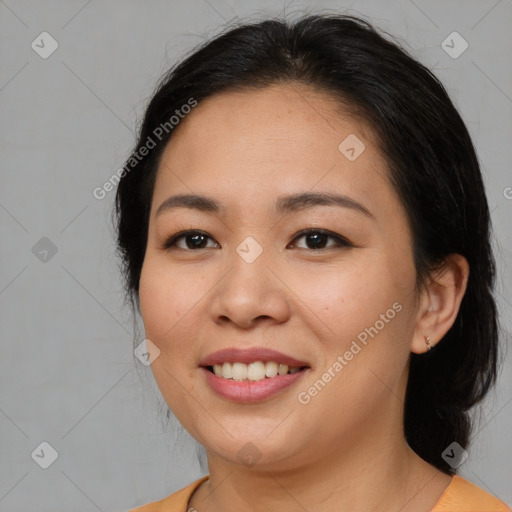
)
(252, 371)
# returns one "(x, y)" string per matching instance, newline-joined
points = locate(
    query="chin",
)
(259, 453)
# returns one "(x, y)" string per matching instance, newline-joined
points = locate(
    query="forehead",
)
(276, 140)
(290, 116)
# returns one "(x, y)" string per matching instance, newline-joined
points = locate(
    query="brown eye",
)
(192, 240)
(318, 239)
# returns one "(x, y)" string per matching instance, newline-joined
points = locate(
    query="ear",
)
(440, 302)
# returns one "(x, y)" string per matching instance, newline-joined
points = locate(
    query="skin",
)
(345, 449)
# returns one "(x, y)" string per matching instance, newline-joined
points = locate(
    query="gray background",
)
(67, 371)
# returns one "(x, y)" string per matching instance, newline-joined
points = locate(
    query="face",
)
(338, 302)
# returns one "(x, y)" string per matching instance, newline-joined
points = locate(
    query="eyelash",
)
(341, 242)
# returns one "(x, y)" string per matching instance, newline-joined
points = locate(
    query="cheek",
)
(163, 300)
(153, 302)
(164, 308)
(347, 300)
(362, 313)
(171, 304)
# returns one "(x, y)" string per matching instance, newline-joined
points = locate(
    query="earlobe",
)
(440, 303)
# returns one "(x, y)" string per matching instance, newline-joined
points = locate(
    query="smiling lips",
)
(251, 374)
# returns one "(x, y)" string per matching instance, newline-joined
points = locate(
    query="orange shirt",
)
(459, 496)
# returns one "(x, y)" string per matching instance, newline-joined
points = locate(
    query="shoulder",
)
(460, 496)
(464, 496)
(176, 502)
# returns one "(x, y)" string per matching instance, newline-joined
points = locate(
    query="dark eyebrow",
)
(296, 202)
(285, 204)
(192, 201)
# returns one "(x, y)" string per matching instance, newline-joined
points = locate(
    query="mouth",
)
(249, 375)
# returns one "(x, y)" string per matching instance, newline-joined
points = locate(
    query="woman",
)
(305, 232)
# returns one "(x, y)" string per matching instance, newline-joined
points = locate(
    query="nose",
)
(250, 294)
